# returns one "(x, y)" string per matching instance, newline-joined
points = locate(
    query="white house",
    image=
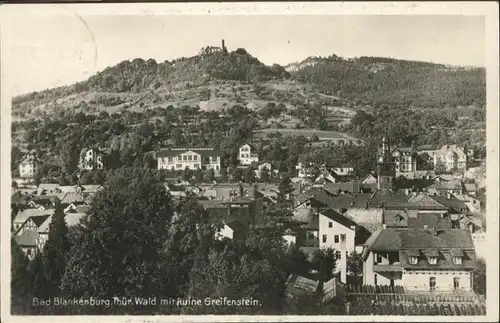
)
(91, 159)
(420, 259)
(344, 170)
(28, 167)
(247, 155)
(189, 158)
(451, 157)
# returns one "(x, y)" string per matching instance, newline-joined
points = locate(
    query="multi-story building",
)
(247, 155)
(189, 158)
(28, 167)
(91, 159)
(405, 159)
(425, 257)
(452, 157)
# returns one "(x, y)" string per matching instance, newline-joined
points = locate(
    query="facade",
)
(91, 159)
(28, 167)
(189, 158)
(438, 259)
(247, 155)
(386, 171)
(336, 231)
(452, 157)
(405, 159)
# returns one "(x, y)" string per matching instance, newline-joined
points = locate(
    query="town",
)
(301, 201)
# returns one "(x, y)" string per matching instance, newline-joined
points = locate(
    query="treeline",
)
(138, 242)
(378, 81)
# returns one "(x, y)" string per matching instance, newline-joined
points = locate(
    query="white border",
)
(487, 9)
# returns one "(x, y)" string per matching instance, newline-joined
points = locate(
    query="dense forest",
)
(385, 81)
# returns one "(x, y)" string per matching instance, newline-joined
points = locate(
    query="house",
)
(72, 198)
(27, 243)
(344, 170)
(247, 155)
(473, 203)
(452, 157)
(445, 188)
(454, 205)
(25, 214)
(31, 224)
(47, 189)
(420, 259)
(370, 179)
(181, 158)
(91, 159)
(265, 167)
(405, 159)
(42, 202)
(336, 231)
(225, 191)
(233, 230)
(28, 166)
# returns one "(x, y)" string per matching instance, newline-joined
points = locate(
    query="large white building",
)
(247, 155)
(429, 259)
(189, 158)
(28, 167)
(453, 157)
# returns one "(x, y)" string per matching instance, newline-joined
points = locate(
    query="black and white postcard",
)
(252, 161)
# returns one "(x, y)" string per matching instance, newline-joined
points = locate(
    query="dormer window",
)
(433, 260)
(413, 260)
(457, 260)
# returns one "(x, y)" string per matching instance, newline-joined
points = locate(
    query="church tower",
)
(386, 170)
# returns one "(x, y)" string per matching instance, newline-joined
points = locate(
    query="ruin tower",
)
(223, 46)
(386, 169)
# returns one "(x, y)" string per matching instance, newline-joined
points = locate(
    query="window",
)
(378, 259)
(28, 251)
(330, 224)
(170, 159)
(375, 279)
(190, 157)
(245, 193)
(184, 157)
(196, 166)
(338, 254)
(456, 282)
(433, 260)
(195, 157)
(413, 260)
(178, 166)
(324, 238)
(432, 283)
(457, 260)
(336, 238)
(342, 237)
(310, 235)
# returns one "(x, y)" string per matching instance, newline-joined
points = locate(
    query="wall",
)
(336, 229)
(480, 245)
(419, 280)
(370, 218)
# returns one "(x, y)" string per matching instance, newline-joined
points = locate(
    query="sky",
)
(49, 51)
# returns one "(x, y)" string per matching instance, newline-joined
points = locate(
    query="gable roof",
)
(433, 221)
(339, 218)
(38, 219)
(203, 151)
(25, 214)
(72, 198)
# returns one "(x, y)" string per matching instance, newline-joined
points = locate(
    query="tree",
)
(121, 252)
(249, 175)
(55, 251)
(285, 188)
(479, 277)
(324, 261)
(20, 280)
(264, 174)
(355, 264)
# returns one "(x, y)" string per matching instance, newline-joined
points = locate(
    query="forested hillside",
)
(385, 81)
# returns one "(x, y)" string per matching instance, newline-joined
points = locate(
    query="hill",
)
(386, 81)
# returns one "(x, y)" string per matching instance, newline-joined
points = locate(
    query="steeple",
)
(386, 169)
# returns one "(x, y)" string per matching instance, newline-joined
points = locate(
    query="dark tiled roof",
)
(453, 203)
(431, 220)
(339, 218)
(333, 188)
(39, 219)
